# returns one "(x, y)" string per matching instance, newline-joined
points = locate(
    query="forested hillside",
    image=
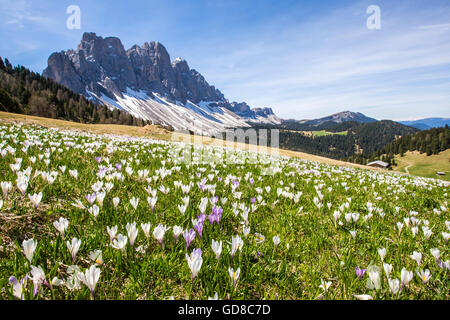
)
(432, 141)
(360, 142)
(26, 92)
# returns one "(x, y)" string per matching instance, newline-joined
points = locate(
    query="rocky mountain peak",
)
(101, 68)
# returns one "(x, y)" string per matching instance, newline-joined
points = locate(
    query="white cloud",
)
(303, 68)
(20, 12)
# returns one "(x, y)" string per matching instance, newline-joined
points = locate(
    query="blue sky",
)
(305, 59)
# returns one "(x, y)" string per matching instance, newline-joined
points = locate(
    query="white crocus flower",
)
(29, 246)
(374, 281)
(120, 243)
(436, 253)
(100, 198)
(116, 202)
(90, 278)
(234, 275)
(57, 282)
(74, 173)
(146, 229)
(159, 232)
(217, 248)
(6, 187)
(363, 296)
(446, 236)
(382, 253)
(195, 261)
(61, 225)
(276, 240)
(203, 204)
(416, 256)
(324, 285)
(35, 199)
(94, 210)
(177, 230)
(112, 232)
(336, 216)
(425, 276)
(132, 232)
(246, 231)
(387, 269)
(38, 278)
(236, 244)
(73, 247)
(400, 227)
(96, 256)
(394, 285)
(134, 202)
(406, 276)
(152, 202)
(182, 208)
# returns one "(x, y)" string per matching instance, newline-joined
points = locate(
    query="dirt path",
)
(406, 168)
(409, 164)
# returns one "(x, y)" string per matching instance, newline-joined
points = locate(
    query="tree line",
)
(26, 92)
(361, 141)
(432, 141)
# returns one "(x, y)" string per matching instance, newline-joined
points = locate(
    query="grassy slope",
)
(421, 165)
(154, 131)
(159, 133)
(322, 133)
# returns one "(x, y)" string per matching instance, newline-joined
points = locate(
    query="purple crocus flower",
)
(17, 286)
(197, 252)
(118, 166)
(189, 236)
(217, 212)
(252, 181)
(215, 215)
(98, 159)
(199, 227)
(253, 200)
(91, 198)
(359, 272)
(201, 218)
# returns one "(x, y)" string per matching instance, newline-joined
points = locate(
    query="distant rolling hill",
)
(427, 123)
(326, 122)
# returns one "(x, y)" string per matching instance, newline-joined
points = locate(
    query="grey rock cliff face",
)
(103, 66)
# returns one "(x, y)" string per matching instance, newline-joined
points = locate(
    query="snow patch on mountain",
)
(182, 117)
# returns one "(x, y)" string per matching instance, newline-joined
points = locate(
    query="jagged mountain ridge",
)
(145, 82)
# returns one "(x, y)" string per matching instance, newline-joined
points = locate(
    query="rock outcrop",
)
(102, 70)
